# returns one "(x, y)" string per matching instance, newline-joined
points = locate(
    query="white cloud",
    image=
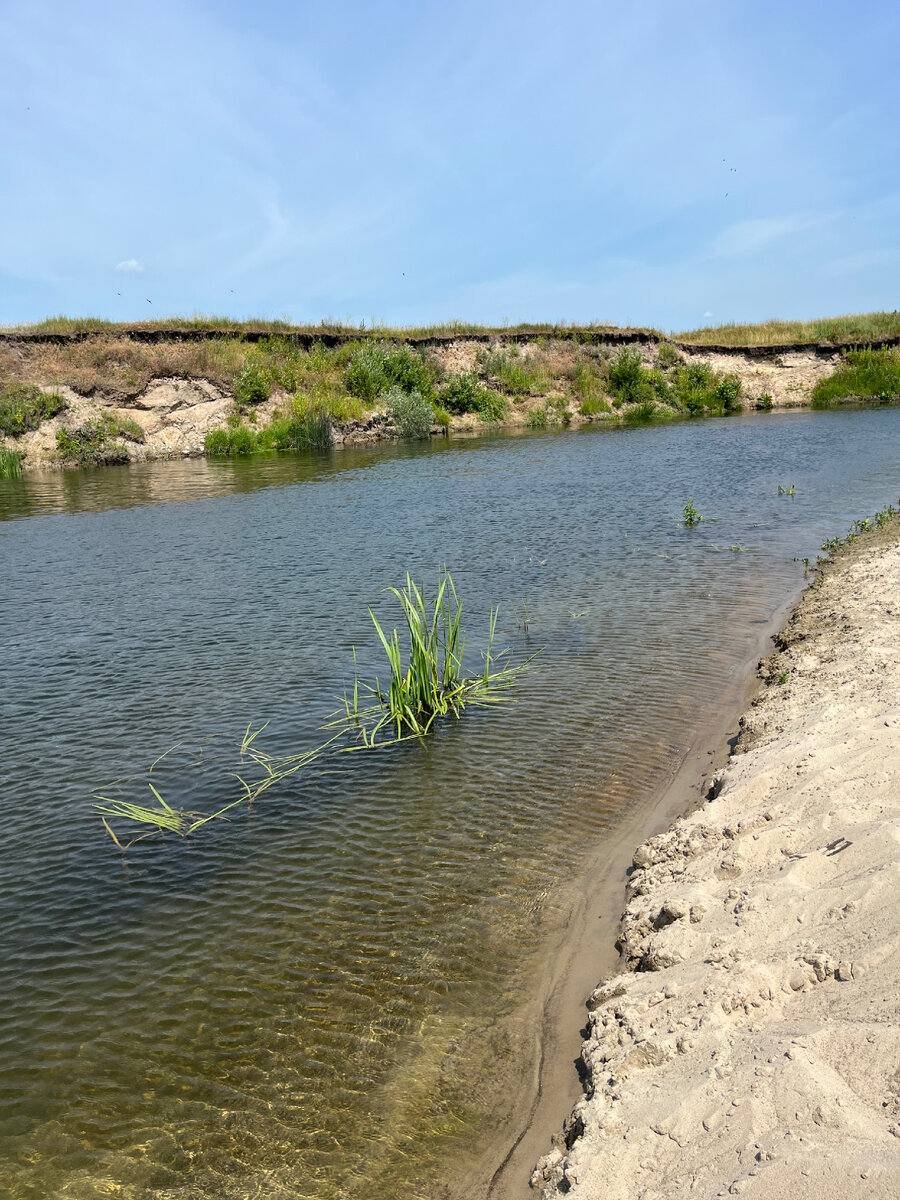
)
(707, 314)
(130, 266)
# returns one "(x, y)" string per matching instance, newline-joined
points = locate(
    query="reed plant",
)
(428, 683)
(10, 463)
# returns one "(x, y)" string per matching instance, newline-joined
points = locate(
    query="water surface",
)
(309, 1001)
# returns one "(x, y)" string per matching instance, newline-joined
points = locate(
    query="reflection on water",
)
(306, 1001)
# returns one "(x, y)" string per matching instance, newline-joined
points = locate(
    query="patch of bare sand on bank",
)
(751, 1045)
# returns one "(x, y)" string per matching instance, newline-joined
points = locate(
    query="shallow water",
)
(305, 1001)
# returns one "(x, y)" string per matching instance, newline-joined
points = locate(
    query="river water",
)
(316, 999)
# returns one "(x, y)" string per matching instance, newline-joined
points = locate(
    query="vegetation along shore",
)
(85, 392)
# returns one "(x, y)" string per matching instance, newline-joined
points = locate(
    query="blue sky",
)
(664, 164)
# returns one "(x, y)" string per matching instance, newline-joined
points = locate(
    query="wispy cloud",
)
(130, 266)
(749, 237)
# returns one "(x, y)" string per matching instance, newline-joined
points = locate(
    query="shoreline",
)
(584, 942)
(749, 984)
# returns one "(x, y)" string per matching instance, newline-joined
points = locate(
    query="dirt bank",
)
(749, 1042)
(176, 392)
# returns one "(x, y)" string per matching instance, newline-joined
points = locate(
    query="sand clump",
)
(750, 1043)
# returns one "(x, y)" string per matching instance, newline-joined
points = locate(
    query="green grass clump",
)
(644, 411)
(667, 356)
(698, 389)
(10, 463)
(431, 682)
(628, 378)
(24, 407)
(230, 442)
(465, 393)
(538, 418)
(252, 385)
(303, 428)
(375, 368)
(690, 516)
(410, 412)
(92, 444)
(864, 374)
(514, 373)
(594, 405)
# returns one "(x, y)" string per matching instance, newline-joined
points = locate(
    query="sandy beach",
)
(749, 1042)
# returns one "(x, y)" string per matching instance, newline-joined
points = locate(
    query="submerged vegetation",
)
(864, 374)
(429, 683)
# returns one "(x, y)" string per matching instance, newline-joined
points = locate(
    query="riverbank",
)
(123, 396)
(748, 1043)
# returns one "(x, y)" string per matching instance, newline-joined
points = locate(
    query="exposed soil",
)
(178, 389)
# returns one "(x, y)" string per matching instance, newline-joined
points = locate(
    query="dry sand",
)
(750, 1042)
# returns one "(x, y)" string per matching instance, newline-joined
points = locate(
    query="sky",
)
(673, 165)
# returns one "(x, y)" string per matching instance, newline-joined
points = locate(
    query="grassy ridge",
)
(860, 327)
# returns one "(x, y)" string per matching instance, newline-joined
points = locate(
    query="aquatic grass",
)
(429, 683)
(10, 463)
(690, 516)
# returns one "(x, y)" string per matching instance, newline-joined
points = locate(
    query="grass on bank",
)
(864, 374)
(858, 327)
(24, 407)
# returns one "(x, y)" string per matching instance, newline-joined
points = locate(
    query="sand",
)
(749, 1043)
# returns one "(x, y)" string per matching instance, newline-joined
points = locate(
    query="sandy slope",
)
(752, 1044)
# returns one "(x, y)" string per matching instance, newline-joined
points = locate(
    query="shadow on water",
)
(312, 998)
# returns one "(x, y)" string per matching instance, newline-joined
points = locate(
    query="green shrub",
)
(24, 407)
(410, 412)
(764, 402)
(229, 442)
(698, 388)
(629, 380)
(537, 419)
(441, 416)
(90, 444)
(668, 356)
(366, 375)
(10, 463)
(251, 385)
(375, 368)
(727, 393)
(868, 374)
(466, 393)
